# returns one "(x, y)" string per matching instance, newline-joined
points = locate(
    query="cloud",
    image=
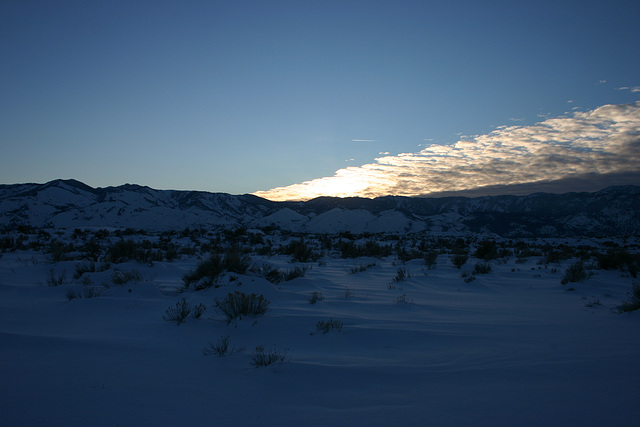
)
(364, 140)
(603, 142)
(632, 89)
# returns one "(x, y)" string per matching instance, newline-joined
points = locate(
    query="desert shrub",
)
(208, 270)
(85, 292)
(220, 348)
(523, 251)
(458, 246)
(575, 273)
(59, 251)
(402, 299)
(407, 255)
(619, 259)
(121, 277)
(7, 243)
(362, 267)
(205, 273)
(198, 310)
(557, 255)
(84, 267)
(315, 296)
(273, 275)
(238, 304)
(371, 248)
(56, 280)
(401, 274)
(92, 291)
(73, 294)
(179, 313)
(634, 299)
(130, 250)
(430, 259)
(93, 250)
(300, 251)
(487, 250)
(346, 294)
(326, 326)
(468, 277)
(122, 250)
(459, 260)
(294, 273)
(262, 357)
(235, 261)
(482, 268)
(265, 250)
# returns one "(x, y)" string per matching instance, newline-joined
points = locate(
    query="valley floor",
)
(512, 347)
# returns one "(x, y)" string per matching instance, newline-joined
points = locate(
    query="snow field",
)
(512, 347)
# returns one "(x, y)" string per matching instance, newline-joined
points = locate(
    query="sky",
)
(299, 99)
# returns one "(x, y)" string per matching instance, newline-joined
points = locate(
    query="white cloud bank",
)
(601, 142)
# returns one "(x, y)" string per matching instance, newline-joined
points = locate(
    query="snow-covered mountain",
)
(72, 204)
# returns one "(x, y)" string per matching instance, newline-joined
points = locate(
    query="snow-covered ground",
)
(512, 347)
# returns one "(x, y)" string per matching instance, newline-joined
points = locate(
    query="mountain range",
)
(613, 211)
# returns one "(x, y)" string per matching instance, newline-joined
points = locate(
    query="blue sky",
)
(242, 97)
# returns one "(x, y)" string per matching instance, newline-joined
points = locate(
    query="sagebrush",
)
(238, 304)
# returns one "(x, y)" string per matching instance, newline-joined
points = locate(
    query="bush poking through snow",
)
(487, 250)
(468, 276)
(275, 275)
(121, 277)
(346, 294)
(92, 291)
(575, 273)
(315, 296)
(205, 273)
(262, 357)
(301, 252)
(208, 271)
(430, 259)
(72, 294)
(86, 292)
(402, 299)
(198, 310)
(401, 274)
(459, 260)
(56, 280)
(272, 274)
(238, 304)
(634, 299)
(219, 349)
(179, 313)
(295, 273)
(482, 268)
(329, 325)
(362, 267)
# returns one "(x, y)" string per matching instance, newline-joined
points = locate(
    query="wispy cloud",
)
(632, 89)
(599, 142)
(364, 140)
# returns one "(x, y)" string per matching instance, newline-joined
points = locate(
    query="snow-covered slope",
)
(72, 204)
